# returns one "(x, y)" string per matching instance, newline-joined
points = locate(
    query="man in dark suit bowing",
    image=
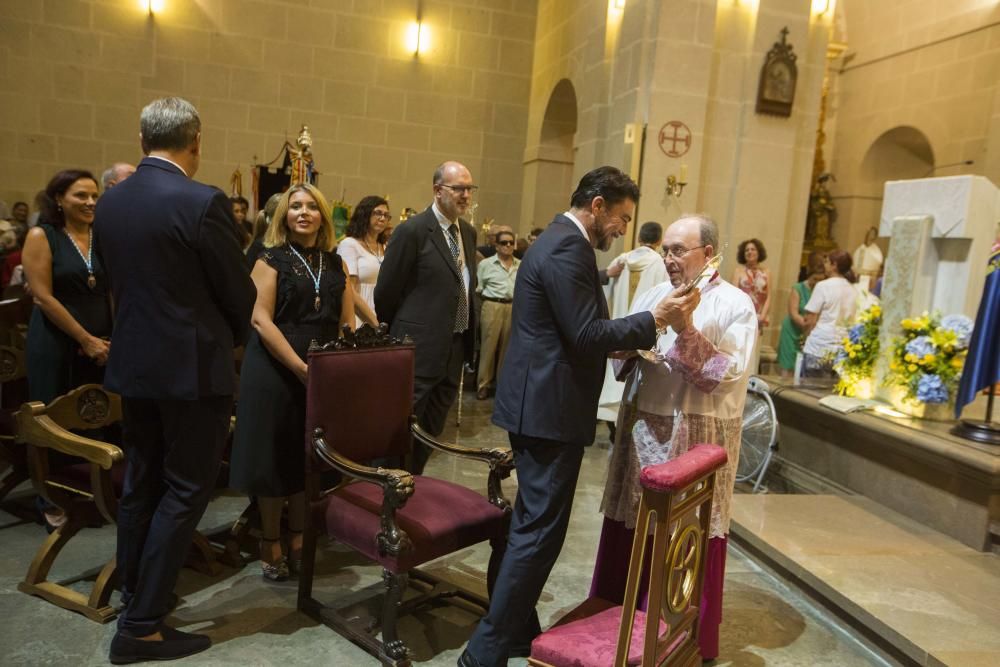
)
(548, 391)
(183, 299)
(425, 289)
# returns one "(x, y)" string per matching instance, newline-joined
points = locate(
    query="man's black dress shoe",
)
(175, 644)
(468, 660)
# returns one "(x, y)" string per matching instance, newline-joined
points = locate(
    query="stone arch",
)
(549, 160)
(902, 152)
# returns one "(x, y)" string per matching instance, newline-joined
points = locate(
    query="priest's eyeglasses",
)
(678, 251)
(461, 189)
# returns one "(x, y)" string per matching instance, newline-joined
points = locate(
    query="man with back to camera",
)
(425, 289)
(547, 395)
(183, 299)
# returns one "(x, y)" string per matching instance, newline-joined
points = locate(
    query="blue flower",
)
(930, 389)
(921, 346)
(961, 326)
(855, 333)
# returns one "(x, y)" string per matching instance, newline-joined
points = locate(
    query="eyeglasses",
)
(461, 189)
(382, 215)
(505, 243)
(678, 251)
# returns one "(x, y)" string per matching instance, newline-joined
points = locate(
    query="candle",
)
(684, 174)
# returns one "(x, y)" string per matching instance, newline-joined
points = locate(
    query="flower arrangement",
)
(855, 360)
(927, 359)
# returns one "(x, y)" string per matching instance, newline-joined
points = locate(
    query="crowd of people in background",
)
(296, 282)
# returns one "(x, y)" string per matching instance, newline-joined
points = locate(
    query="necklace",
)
(315, 276)
(88, 258)
(377, 256)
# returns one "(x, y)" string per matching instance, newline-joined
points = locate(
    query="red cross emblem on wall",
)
(675, 139)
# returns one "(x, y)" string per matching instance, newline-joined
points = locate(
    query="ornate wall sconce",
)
(152, 6)
(675, 184)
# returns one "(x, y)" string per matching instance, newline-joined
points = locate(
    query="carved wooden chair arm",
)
(397, 487)
(499, 460)
(34, 427)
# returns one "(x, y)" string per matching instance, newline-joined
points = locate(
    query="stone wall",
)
(929, 67)
(74, 75)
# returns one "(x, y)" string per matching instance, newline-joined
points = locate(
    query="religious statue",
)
(302, 159)
(822, 215)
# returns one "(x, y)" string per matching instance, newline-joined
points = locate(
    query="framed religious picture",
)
(776, 90)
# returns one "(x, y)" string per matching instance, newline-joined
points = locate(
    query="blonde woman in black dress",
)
(301, 296)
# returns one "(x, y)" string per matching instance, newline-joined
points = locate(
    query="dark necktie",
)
(462, 313)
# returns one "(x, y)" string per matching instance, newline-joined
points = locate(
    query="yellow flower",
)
(852, 354)
(912, 368)
(910, 357)
(929, 359)
(875, 311)
(957, 362)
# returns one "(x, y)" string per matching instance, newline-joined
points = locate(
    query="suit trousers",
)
(173, 450)
(433, 398)
(547, 472)
(495, 330)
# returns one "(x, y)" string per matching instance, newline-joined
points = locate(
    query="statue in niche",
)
(822, 215)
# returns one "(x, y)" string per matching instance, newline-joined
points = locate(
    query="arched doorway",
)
(904, 152)
(548, 167)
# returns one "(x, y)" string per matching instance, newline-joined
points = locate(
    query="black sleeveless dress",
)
(55, 365)
(268, 456)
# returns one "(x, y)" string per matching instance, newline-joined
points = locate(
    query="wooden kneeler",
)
(675, 509)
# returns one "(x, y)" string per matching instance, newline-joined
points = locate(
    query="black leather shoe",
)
(175, 644)
(468, 660)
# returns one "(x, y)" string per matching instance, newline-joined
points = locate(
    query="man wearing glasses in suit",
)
(425, 289)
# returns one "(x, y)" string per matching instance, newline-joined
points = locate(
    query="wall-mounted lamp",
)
(822, 7)
(618, 4)
(152, 6)
(418, 38)
(675, 184)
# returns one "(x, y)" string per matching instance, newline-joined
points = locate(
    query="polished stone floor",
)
(933, 598)
(253, 623)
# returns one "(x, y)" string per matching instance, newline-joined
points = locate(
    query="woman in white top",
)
(363, 250)
(829, 314)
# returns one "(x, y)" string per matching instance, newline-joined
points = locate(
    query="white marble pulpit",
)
(940, 232)
(963, 211)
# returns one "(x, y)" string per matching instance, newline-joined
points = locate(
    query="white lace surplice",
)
(695, 395)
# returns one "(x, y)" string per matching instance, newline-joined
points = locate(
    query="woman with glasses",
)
(363, 251)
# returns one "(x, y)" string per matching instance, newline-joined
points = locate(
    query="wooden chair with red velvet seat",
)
(84, 478)
(677, 505)
(358, 408)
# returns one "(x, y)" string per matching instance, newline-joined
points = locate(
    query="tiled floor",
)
(933, 597)
(253, 623)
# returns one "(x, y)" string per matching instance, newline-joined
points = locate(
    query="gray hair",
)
(108, 177)
(170, 123)
(707, 228)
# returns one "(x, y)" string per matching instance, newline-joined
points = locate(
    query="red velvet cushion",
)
(590, 641)
(363, 400)
(439, 518)
(680, 472)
